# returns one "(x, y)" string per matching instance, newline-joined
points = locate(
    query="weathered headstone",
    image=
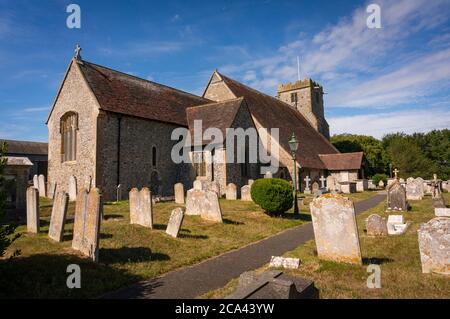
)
(198, 185)
(51, 190)
(396, 225)
(58, 218)
(283, 262)
(442, 212)
(203, 203)
(245, 193)
(72, 188)
(141, 210)
(193, 198)
(434, 246)
(414, 190)
(179, 193)
(42, 190)
(33, 223)
(381, 184)
(335, 229)
(86, 227)
(36, 181)
(409, 180)
(175, 221)
(268, 175)
(315, 187)
(231, 193)
(322, 182)
(213, 186)
(396, 197)
(250, 182)
(376, 225)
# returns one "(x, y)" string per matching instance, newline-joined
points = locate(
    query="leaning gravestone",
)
(42, 189)
(245, 193)
(72, 188)
(396, 197)
(179, 193)
(203, 203)
(376, 225)
(33, 210)
(434, 246)
(86, 227)
(335, 229)
(414, 190)
(141, 211)
(58, 218)
(51, 190)
(175, 221)
(36, 181)
(231, 193)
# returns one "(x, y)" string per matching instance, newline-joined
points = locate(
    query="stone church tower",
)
(306, 97)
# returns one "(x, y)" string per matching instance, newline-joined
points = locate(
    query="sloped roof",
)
(271, 113)
(343, 161)
(126, 94)
(18, 161)
(26, 147)
(214, 115)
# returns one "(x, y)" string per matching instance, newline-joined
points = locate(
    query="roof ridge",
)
(217, 102)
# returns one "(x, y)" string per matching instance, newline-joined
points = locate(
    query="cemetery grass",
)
(398, 257)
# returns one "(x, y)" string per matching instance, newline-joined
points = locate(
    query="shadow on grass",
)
(159, 226)
(45, 276)
(111, 216)
(181, 235)
(376, 260)
(130, 255)
(232, 222)
(303, 217)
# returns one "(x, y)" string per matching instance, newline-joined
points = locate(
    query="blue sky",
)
(377, 80)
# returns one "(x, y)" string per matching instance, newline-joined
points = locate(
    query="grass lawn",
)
(398, 257)
(130, 253)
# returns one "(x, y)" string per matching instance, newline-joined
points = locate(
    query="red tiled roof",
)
(214, 115)
(343, 161)
(126, 94)
(271, 113)
(26, 147)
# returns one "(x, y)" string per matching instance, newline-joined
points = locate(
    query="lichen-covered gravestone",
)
(245, 193)
(141, 211)
(434, 245)
(58, 218)
(414, 189)
(396, 197)
(203, 203)
(175, 221)
(86, 228)
(42, 190)
(179, 193)
(335, 229)
(72, 188)
(33, 210)
(376, 225)
(231, 193)
(51, 192)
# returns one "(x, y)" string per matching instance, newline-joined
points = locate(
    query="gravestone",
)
(315, 187)
(51, 190)
(396, 197)
(436, 194)
(381, 184)
(245, 193)
(141, 210)
(409, 180)
(58, 218)
(414, 190)
(179, 193)
(434, 246)
(307, 190)
(33, 223)
(36, 181)
(213, 186)
(250, 182)
(335, 229)
(42, 190)
(72, 188)
(322, 182)
(273, 285)
(268, 175)
(231, 193)
(198, 185)
(203, 203)
(283, 262)
(175, 221)
(396, 225)
(442, 212)
(376, 225)
(331, 183)
(86, 227)
(390, 181)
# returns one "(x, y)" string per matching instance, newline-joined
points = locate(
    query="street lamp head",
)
(293, 144)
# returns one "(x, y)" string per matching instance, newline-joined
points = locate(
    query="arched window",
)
(69, 128)
(154, 156)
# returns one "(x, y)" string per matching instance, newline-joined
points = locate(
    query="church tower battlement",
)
(306, 96)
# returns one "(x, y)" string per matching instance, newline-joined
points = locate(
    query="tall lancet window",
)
(69, 128)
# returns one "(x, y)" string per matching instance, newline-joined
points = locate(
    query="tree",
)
(6, 230)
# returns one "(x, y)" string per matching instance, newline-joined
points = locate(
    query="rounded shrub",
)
(274, 195)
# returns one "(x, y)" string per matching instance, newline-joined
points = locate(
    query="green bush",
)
(379, 177)
(274, 195)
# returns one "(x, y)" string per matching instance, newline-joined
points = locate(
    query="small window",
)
(294, 98)
(68, 130)
(199, 163)
(154, 156)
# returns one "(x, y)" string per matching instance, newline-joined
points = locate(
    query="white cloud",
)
(380, 124)
(36, 109)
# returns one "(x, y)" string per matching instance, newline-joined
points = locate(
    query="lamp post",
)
(293, 145)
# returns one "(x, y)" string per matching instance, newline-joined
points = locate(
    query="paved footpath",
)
(216, 272)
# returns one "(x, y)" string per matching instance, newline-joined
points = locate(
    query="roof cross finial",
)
(78, 52)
